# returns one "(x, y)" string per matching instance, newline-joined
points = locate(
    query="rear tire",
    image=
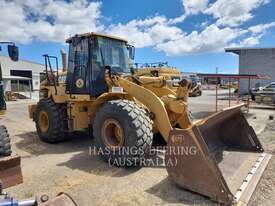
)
(132, 122)
(50, 121)
(5, 145)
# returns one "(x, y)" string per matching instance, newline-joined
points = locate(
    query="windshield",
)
(114, 53)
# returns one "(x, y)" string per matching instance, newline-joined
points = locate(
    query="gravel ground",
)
(265, 191)
(68, 167)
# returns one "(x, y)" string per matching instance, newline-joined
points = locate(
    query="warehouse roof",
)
(234, 76)
(21, 60)
(11, 77)
(237, 50)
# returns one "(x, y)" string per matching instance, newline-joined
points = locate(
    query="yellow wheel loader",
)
(219, 157)
(171, 75)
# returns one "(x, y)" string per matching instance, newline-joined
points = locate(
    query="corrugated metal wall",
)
(257, 61)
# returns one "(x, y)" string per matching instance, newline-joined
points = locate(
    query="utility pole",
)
(217, 79)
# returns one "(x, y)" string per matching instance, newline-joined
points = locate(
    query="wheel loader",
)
(172, 76)
(124, 110)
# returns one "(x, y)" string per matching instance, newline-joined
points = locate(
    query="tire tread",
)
(139, 121)
(5, 144)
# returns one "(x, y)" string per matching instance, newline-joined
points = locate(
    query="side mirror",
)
(131, 52)
(13, 52)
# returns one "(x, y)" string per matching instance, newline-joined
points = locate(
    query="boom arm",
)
(152, 102)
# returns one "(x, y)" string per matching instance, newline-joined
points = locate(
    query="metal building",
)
(22, 77)
(259, 61)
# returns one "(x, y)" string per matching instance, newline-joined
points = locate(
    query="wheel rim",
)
(112, 133)
(43, 121)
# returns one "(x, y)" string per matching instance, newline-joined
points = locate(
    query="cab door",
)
(79, 75)
(98, 83)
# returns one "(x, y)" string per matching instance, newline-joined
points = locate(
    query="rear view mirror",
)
(131, 52)
(13, 52)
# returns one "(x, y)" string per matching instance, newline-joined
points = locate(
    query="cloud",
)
(47, 20)
(191, 7)
(12, 26)
(211, 39)
(251, 41)
(54, 21)
(255, 34)
(194, 6)
(177, 19)
(147, 32)
(260, 28)
(157, 32)
(232, 12)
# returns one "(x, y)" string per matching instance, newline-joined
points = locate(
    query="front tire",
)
(123, 132)
(50, 121)
(5, 145)
(199, 93)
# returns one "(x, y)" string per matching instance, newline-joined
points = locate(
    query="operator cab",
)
(89, 56)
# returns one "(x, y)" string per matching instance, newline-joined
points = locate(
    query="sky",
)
(190, 34)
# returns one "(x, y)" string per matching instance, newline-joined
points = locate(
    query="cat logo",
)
(79, 83)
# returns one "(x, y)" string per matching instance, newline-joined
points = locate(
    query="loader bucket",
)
(219, 157)
(10, 171)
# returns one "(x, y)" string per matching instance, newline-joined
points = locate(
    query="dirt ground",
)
(68, 167)
(265, 191)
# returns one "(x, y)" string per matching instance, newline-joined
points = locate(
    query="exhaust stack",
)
(64, 60)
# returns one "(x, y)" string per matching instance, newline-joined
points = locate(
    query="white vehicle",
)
(267, 88)
(266, 94)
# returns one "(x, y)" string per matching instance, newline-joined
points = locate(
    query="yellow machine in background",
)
(171, 75)
(124, 109)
